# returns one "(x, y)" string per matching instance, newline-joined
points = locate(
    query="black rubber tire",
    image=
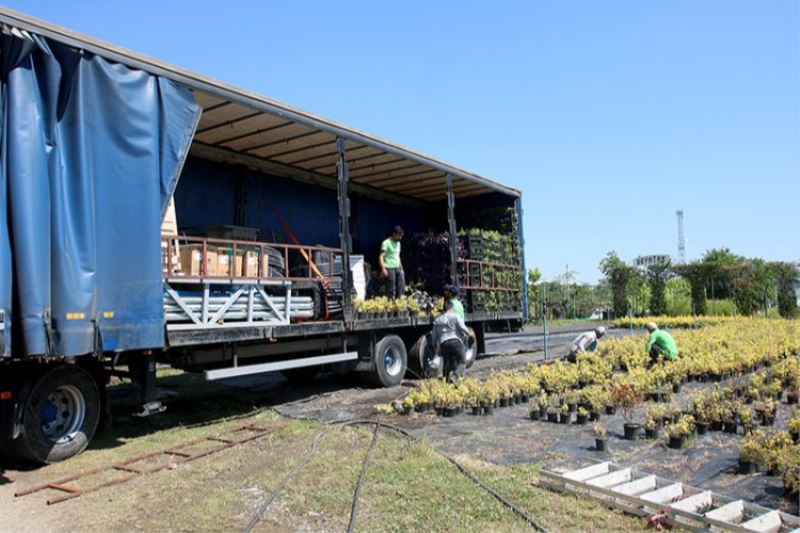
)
(472, 350)
(31, 444)
(301, 376)
(380, 375)
(417, 356)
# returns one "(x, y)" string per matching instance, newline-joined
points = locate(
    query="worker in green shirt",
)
(660, 344)
(451, 293)
(391, 266)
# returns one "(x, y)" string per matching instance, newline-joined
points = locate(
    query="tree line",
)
(720, 282)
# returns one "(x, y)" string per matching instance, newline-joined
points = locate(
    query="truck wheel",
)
(419, 355)
(60, 416)
(391, 360)
(472, 350)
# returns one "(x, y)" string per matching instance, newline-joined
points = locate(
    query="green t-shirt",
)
(458, 307)
(664, 341)
(391, 253)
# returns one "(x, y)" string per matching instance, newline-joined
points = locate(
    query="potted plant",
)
(766, 410)
(600, 437)
(582, 416)
(746, 419)
(651, 428)
(552, 414)
(678, 432)
(566, 414)
(751, 452)
(794, 429)
(774, 448)
(541, 403)
(625, 397)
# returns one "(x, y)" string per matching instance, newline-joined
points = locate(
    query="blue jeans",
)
(395, 282)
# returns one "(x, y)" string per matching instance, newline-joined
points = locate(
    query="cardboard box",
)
(190, 260)
(223, 263)
(247, 263)
(212, 262)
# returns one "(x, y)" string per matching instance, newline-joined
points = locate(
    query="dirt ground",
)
(221, 491)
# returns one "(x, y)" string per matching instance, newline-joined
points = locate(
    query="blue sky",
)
(608, 115)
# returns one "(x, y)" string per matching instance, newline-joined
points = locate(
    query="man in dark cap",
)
(451, 293)
(391, 266)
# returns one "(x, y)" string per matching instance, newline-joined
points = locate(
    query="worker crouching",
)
(660, 344)
(585, 342)
(450, 336)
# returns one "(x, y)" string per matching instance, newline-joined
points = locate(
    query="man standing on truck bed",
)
(391, 266)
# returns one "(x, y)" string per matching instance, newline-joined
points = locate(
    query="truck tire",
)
(418, 355)
(391, 361)
(59, 417)
(472, 350)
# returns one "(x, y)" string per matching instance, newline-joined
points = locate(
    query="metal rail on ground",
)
(673, 503)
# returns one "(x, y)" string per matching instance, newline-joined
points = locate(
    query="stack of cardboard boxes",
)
(218, 261)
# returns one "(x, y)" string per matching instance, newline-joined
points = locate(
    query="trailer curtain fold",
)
(91, 151)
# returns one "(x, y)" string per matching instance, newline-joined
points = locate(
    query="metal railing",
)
(486, 273)
(220, 259)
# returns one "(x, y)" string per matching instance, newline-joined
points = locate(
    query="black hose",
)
(263, 507)
(354, 508)
(461, 468)
(357, 492)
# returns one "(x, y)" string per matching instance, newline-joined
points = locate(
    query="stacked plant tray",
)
(426, 259)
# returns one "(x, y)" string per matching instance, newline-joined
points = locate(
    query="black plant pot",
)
(702, 428)
(439, 410)
(459, 410)
(449, 412)
(517, 399)
(716, 425)
(730, 427)
(525, 398)
(573, 407)
(543, 412)
(652, 433)
(676, 443)
(747, 467)
(795, 437)
(676, 388)
(566, 418)
(600, 444)
(407, 409)
(503, 402)
(476, 410)
(534, 415)
(767, 420)
(581, 419)
(632, 431)
(488, 409)
(610, 409)
(779, 396)
(594, 416)
(552, 417)
(791, 399)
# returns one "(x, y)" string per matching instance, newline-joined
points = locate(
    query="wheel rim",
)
(63, 413)
(392, 362)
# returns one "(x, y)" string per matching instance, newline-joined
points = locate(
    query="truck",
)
(150, 215)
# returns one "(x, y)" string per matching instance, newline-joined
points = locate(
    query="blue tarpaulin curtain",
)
(91, 151)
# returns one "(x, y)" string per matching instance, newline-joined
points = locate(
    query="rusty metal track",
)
(172, 457)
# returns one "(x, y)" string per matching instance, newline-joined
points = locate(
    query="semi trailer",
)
(152, 215)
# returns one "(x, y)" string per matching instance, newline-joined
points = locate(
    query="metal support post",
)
(451, 224)
(523, 266)
(342, 176)
(143, 371)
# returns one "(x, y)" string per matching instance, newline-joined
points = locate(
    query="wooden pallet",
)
(678, 504)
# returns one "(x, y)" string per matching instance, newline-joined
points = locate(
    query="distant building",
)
(647, 260)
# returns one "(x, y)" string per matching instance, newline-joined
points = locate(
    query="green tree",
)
(753, 286)
(678, 296)
(638, 294)
(697, 275)
(618, 274)
(657, 276)
(719, 283)
(534, 294)
(786, 277)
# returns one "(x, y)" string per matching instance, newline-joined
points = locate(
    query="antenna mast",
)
(681, 238)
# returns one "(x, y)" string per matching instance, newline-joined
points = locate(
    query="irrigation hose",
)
(263, 507)
(357, 492)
